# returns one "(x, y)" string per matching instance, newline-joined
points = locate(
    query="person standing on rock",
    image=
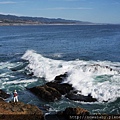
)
(15, 96)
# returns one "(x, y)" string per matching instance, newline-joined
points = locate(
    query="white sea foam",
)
(56, 55)
(59, 55)
(5, 72)
(98, 78)
(6, 65)
(19, 81)
(7, 77)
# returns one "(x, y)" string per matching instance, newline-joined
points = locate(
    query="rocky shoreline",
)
(53, 91)
(50, 92)
(18, 110)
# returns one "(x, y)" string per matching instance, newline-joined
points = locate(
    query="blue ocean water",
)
(60, 48)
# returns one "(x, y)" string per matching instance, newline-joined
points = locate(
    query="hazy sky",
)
(99, 11)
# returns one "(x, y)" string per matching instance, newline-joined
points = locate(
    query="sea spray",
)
(98, 78)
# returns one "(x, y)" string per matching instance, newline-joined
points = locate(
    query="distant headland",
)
(24, 20)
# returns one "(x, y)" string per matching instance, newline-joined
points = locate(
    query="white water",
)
(20, 81)
(99, 78)
(8, 79)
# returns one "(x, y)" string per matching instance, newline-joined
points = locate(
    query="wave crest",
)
(98, 78)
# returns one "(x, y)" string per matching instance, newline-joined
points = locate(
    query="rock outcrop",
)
(63, 88)
(69, 114)
(61, 78)
(4, 95)
(53, 91)
(79, 97)
(58, 84)
(75, 111)
(20, 111)
(46, 93)
(1, 100)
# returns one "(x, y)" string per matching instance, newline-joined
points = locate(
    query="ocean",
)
(89, 53)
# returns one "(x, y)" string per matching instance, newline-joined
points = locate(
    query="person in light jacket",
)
(15, 96)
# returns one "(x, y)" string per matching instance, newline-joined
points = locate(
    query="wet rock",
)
(46, 93)
(79, 97)
(61, 78)
(53, 91)
(69, 114)
(29, 73)
(1, 100)
(75, 111)
(62, 88)
(4, 95)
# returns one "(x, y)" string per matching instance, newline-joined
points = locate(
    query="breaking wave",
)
(98, 78)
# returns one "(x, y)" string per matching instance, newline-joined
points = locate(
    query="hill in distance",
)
(16, 20)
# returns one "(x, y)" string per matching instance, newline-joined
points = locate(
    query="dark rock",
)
(55, 117)
(31, 74)
(75, 111)
(62, 88)
(1, 100)
(13, 69)
(4, 95)
(69, 114)
(46, 93)
(60, 78)
(79, 97)
(53, 91)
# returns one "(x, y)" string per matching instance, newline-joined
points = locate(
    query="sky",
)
(97, 11)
